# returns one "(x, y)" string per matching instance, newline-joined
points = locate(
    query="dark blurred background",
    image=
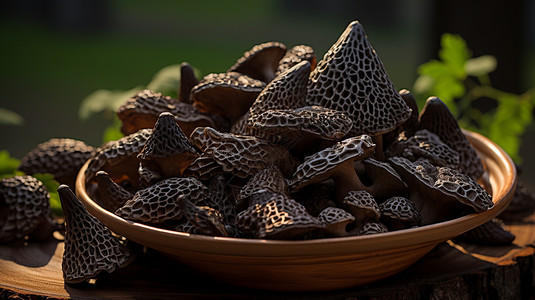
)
(56, 52)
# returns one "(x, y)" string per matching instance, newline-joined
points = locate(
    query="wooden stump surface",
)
(453, 270)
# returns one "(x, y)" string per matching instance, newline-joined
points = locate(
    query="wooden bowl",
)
(312, 265)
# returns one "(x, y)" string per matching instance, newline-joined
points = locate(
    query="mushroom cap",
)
(142, 111)
(243, 156)
(119, 158)
(277, 218)
(305, 125)
(187, 81)
(226, 94)
(427, 145)
(203, 167)
(111, 195)
(269, 179)
(207, 220)
(168, 147)
(363, 206)
(61, 157)
(223, 198)
(261, 61)
(296, 55)
(437, 118)
(351, 78)
(316, 167)
(287, 90)
(373, 228)
(90, 248)
(24, 207)
(385, 180)
(408, 127)
(336, 220)
(440, 192)
(160, 202)
(399, 212)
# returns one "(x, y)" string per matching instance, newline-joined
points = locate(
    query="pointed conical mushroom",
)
(159, 202)
(243, 156)
(425, 145)
(409, 127)
(111, 195)
(167, 151)
(207, 220)
(385, 181)
(440, 193)
(61, 157)
(261, 61)
(277, 218)
(226, 94)
(270, 179)
(119, 158)
(336, 162)
(351, 78)
(336, 220)
(296, 55)
(399, 213)
(24, 209)
(363, 206)
(142, 111)
(303, 130)
(90, 248)
(437, 118)
(187, 81)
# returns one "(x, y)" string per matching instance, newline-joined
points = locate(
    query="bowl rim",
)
(231, 246)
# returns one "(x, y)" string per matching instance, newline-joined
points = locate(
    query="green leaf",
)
(166, 81)
(104, 100)
(480, 66)
(51, 186)
(8, 165)
(8, 117)
(454, 53)
(112, 132)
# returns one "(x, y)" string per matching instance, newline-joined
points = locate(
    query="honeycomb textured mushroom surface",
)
(207, 220)
(269, 179)
(90, 248)
(399, 213)
(24, 207)
(160, 202)
(296, 55)
(61, 157)
(112, 195)
(261, 61)
(351, 78)
(336, 220)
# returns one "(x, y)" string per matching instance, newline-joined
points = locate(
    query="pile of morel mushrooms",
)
(280, 147)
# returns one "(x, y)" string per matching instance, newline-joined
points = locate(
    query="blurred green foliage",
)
(460, 80)
(8, 117)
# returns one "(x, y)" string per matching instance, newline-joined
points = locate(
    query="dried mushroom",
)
(399, 213)
(111, 195)
(206, 220)
(336, 220)
(24, 209)
(61, 157)
(90, 247)
(270, 179)
(363, 206)
(261, 61)
(385, 181)
(296, 55)
(373, 228)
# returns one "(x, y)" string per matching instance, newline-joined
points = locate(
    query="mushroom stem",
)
(378, 141)
(346, 180)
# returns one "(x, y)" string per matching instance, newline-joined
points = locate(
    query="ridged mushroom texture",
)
(441, 193)
(352, 79)
(24, 209)
(261, 61)
(336, 220)
(335, 162)
(407, 128)
(269, 179)
(296, 55)
(61, 157)
(142, 111)
(226, 94)
(111, 195)
(242, 156)
(90, 247)
(168, 150)
(206, 220)
(363, 206)
(399, 213)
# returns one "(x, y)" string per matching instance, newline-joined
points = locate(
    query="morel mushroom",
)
(440, 193)
(277, 218)
(270, 179)
(111, 195)
(296, 55)
(90, 247)
(203, 168)
(363, 206)
(489, 233)
(142, 111)
(187, 81)
(160, 202)
(336, 162)
(242, 156)
(385, 181)
(336, 220)
(206, 220)
(167, 151)
(227, 94)
(399, 213)
(261, 61)
(352, 79)
(24, 209)
(61, 157)
(437, 118)
(409, 127)
(373, 228)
